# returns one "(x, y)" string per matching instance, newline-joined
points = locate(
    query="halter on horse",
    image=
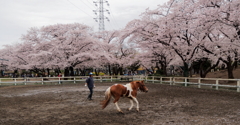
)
(129, 90)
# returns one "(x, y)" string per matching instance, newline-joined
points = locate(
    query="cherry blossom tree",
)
(61, 46)
(222, 24)
(178, 32)
(165, 27)
(73, 45)
(188, 28)
(119, 55)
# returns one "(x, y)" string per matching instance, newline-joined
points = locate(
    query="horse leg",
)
(119, 110)
(115, 102)
(135, 99)
(131, 101)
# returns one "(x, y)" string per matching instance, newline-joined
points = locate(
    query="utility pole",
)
(100, 13)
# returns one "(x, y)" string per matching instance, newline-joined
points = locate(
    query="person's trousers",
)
(91, 92)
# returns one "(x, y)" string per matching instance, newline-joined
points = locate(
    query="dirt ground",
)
(163, 104)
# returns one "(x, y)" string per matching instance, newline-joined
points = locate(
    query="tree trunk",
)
(71, 71)
(236, 61)
(77, 72)
(43, 73)
(185, 70)
(115, 71)
(2, 73)
(109, 70)
(190, 71)
(120, 70)
(164, 69)
(230, 70)
(203, 73)
(48, 72)
(82, 71)
(66, 73)
(97, 72)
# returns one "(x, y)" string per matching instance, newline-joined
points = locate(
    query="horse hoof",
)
(129, 109)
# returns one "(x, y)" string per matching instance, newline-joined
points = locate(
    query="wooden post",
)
(15, 80)
(153, 79)
(100, 78)
(42, 80)
(160, 80)
(170, 81)
(173, 81)
(199, 83)
(25, 80)
(111, 79)
(0, 81)
(74, 80)
(238, 86)
(217, 84)
(185, 82)
(59, 80)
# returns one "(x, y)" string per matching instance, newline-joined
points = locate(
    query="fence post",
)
(74, 80)
(217, 84)
(238, 86)
(25, 80)
(153, 79)
(101, 78)
(170, 81)
(15, 81)
(42, 80)
(199, 82)
(111, 79)
(160, 80)
(146, 78)
(185, 82)
(173, 82)
(0, 81)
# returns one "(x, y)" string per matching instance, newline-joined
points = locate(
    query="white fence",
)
(215, 83)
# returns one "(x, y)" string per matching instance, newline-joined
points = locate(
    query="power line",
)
(114, 20)
(79, 8)
(86, 4)
(91, 4)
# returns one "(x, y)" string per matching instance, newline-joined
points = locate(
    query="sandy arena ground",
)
(162, 105)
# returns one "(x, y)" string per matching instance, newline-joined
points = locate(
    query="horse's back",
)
(118, 90)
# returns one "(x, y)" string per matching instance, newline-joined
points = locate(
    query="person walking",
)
(90, 84)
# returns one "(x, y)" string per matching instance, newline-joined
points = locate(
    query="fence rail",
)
(215, 83)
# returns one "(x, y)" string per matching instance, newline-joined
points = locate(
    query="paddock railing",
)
(213, 83)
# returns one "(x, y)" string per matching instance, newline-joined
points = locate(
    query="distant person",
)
(60, 75)
(90, 84)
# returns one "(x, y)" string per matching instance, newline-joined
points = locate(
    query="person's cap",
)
(90, 73)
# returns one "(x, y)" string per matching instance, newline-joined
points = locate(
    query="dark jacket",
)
(90, 82)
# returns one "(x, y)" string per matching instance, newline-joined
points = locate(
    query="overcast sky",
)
(18, 16)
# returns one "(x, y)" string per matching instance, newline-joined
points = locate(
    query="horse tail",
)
(107, 98)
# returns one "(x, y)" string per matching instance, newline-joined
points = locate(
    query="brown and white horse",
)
(129, 90)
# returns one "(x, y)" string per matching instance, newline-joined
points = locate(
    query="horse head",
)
(142, 86)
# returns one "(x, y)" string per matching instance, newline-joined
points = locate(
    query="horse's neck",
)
(135, 86)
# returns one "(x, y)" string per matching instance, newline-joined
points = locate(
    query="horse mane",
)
(135, 84)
